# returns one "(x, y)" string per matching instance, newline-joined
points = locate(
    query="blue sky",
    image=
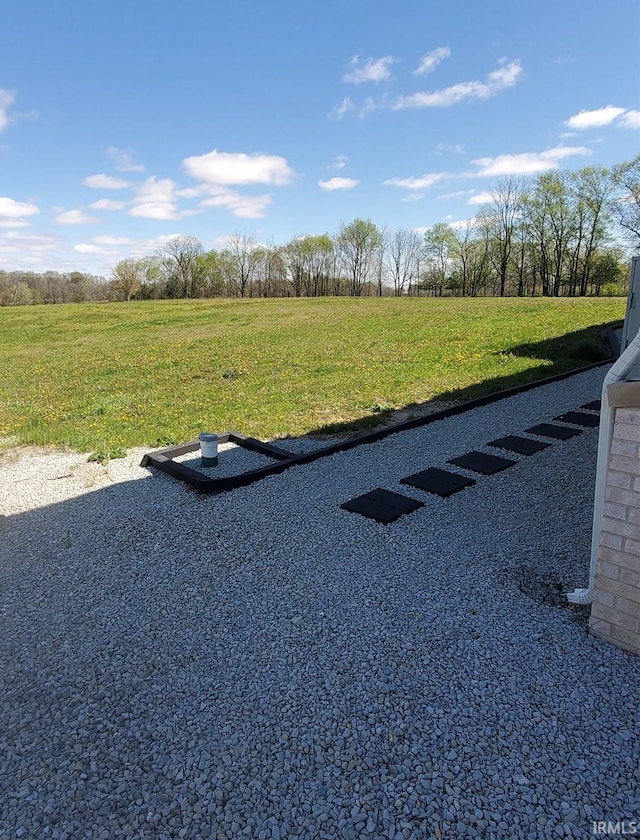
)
(122, 124)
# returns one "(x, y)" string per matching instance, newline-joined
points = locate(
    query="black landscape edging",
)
(163, 459)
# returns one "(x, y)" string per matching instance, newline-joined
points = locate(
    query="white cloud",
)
(457, 194)
(114, 240)
(338, 184)
(87, 248)
(370, 105)
(595, 119)
(146, 247)
(105, 182)
(457, 224)
(155, 199)
(221, 242)
(230, 169)
(123, 160)
(75, 217)
(456, 148)
(527, 163)
(108, 204)
(42, 253)
(14, 242)
(374, 70)
(13, 223)
(197, 192)
(460, 224)
(485, 197)
(431, 60)
(7, 98)
(242, 206)
(422, 183)
(133, 247)
(505, 76)
(339, 162)
(10, 209)
(631, 119)
(343, 108)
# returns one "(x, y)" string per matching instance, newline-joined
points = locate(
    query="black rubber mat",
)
(441, 482)
(515, 443)
(550, 430)
(579, 418)
(594, 405)
(482, 463)
(382, 505)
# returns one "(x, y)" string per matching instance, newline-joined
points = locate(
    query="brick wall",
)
(615, 612)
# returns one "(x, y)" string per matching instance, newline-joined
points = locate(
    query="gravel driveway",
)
(263, 664)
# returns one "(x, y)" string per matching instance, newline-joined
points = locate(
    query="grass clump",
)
(104, 456)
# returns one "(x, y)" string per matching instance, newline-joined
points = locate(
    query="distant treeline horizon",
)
(564, 233)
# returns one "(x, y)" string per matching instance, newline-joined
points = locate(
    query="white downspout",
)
(618, 373)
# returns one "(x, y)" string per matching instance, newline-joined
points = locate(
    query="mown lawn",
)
(108, 376)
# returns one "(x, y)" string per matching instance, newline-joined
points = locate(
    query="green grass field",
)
(107, 376)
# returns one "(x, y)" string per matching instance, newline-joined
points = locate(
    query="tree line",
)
(561, 233)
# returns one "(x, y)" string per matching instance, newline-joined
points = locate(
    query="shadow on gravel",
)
(545, 587)
(564, 353)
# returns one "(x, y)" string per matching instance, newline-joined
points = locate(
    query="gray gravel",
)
(263, 664)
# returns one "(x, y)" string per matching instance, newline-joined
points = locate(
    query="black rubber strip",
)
(206, 484)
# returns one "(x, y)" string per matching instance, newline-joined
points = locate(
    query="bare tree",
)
(503, 214)
(402, 258)
(126, 277)
(244, 259)
(472, 256)
(539, 234)
(294, 260)
(359, 244)
(275, 272)
(180, 259)
(626, 204)
(267, 280)
(14, 289)
(79, 286)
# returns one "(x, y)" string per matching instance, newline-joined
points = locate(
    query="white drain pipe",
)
(618, 373)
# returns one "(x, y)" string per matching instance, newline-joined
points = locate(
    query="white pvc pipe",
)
(208, 449)
(618, 373)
